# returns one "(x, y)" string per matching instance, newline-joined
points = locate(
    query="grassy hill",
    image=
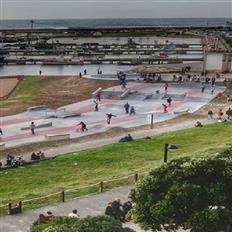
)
(94, 165)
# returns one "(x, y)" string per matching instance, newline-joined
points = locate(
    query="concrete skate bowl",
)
(198, 99)
(113, 95)
(8, 85)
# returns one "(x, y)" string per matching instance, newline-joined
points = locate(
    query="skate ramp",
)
(44, 125)
(37, 108)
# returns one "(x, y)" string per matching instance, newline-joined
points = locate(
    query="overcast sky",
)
(55, 9)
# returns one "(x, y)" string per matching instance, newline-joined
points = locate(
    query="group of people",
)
(151, 77)
(45, 218)
(129, 109)
(220, 114)
(37, 156)
(118, 210)
(122, 79)
(12, 161)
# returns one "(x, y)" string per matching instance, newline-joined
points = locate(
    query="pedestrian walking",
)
(213, 81)
(109, 116)
(32, 127)
(127, 107)
(132, 110)
(203, 88)
(1, 131)
(210, 114)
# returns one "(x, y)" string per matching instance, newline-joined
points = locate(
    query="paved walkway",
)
(88, 205)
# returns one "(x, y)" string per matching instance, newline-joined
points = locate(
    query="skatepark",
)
(146, 98)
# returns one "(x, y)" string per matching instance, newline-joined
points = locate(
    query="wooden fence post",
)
(9, 208)
(101, 187)
(63, 196)
(136, 177)
(20, 206)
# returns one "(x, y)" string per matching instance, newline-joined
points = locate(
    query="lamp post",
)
(166, 152)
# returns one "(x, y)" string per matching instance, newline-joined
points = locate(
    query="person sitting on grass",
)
(74, 214)
(198, 124)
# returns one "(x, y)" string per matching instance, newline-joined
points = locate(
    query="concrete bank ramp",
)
(96, 92)
(44, 125)
(37, 108)
(69, 115)
(174, 96)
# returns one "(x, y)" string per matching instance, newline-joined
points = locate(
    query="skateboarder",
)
(40, 72)
(166, 86)
(98, 96)
(32, 127)
(85, 72)
(109, 116)
(83, 126)
(165, 108)
(96, 105)
(80, 75)
(126, 107)
(169, 101)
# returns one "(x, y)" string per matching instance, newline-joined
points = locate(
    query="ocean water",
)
(96, 23)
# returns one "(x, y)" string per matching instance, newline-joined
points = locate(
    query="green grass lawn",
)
(28, 89)
(91, 166)
(229, 40)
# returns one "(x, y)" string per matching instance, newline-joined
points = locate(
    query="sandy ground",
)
(58, 91)
(7, 85)
(166, 68)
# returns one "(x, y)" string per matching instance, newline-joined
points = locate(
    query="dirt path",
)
(7, 85)
(58, 91)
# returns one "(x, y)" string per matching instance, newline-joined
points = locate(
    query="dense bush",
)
(88, 224)
(190, 193)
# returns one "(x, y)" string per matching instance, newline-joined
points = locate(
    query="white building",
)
(218, 62)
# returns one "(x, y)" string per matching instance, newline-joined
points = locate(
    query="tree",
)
(190, 193)
(88, 224)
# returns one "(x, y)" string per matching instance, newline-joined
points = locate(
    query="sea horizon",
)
(113, 22)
